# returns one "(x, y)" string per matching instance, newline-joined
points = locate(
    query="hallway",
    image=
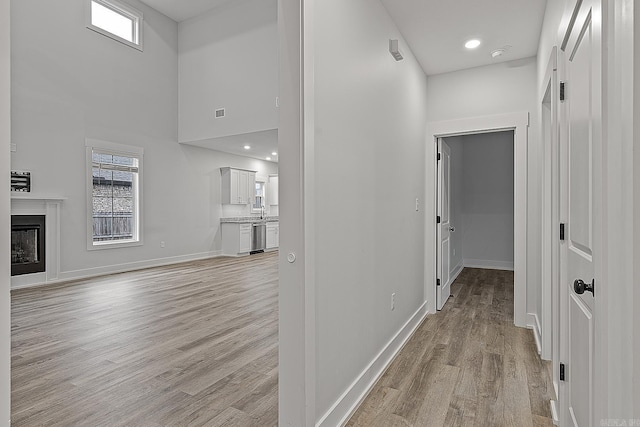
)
(467, 365)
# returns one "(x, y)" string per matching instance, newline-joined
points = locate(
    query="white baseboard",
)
(554, 411)
(66, 276)
(534, 323)
(488, 264)
(348, 402)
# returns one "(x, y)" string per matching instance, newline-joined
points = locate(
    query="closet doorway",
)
(475, 205)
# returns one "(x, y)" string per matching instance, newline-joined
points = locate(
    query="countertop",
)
(247, 219)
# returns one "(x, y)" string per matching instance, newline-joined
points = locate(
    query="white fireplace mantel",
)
(49, 206)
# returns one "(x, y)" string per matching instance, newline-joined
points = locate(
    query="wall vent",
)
(219, 113)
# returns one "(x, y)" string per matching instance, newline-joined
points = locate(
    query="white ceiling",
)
(262, 143)
(436, 30)
(179, 10)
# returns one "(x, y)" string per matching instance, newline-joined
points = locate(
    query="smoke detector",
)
(500, 51)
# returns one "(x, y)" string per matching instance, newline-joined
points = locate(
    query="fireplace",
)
(27, 244)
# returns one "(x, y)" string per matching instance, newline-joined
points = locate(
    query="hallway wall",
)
(368, 170)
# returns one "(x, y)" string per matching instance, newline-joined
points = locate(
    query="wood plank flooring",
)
(193, 344)
(467, 365)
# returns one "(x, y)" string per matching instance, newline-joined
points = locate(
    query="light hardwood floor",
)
(192, 344)
(195, 344)
(467, 365)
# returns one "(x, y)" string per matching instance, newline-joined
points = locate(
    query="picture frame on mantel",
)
(21, 182)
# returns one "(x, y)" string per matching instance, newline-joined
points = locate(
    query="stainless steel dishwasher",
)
(258, 236)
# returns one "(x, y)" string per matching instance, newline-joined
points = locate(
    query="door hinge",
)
(438, 156)
(562, 372)
(437, 282)
(563, 90)
(562, 231)
(438, 219)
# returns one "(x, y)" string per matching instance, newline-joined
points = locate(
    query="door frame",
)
(5, 216)
(550, 248)
(519, 124)
(551, 218)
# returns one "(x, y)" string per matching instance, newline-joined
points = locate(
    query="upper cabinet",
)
(228, 60)
(238, 186)
(272, 190)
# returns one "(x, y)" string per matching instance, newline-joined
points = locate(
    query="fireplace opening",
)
(27, 244)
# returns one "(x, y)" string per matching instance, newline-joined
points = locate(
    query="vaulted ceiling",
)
(434, 30)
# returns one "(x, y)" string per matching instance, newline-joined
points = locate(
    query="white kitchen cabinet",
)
(273, 235)
(272, 190)
(238, 186)
(236, 239)
(245, 238)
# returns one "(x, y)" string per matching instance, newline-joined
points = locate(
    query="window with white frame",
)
(258, 199)
(114, 193)
(116, 20)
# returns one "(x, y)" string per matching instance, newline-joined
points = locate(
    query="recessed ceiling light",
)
(472, 44)
(247, 147)
(268, 158)
(274, 154)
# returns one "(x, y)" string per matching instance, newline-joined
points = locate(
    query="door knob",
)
(579, 286)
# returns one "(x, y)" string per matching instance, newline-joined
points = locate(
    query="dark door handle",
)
(579, 286)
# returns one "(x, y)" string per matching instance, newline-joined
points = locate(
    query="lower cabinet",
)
(273, 235)
(236, 239)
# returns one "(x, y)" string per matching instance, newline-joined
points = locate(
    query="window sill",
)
(113, 245)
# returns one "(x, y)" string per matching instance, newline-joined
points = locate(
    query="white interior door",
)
(444, 224)
(583, 195)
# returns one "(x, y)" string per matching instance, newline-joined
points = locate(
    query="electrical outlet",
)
(417, 204)
(393, 301)
(454, 252)
(162, 244)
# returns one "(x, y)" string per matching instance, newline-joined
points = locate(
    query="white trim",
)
(354, 395)
(550, 243)
(5, 218)
(67, 276)
(534, 323)
(136, 16)
(488, 264)
(519, 123)
(114, 147)
(554, 411)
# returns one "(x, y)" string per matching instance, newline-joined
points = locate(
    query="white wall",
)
(5, 220)
(70, 83)
(496, 89)
(368, 164)
(486, 221)
(636, 210)
(229, 59)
